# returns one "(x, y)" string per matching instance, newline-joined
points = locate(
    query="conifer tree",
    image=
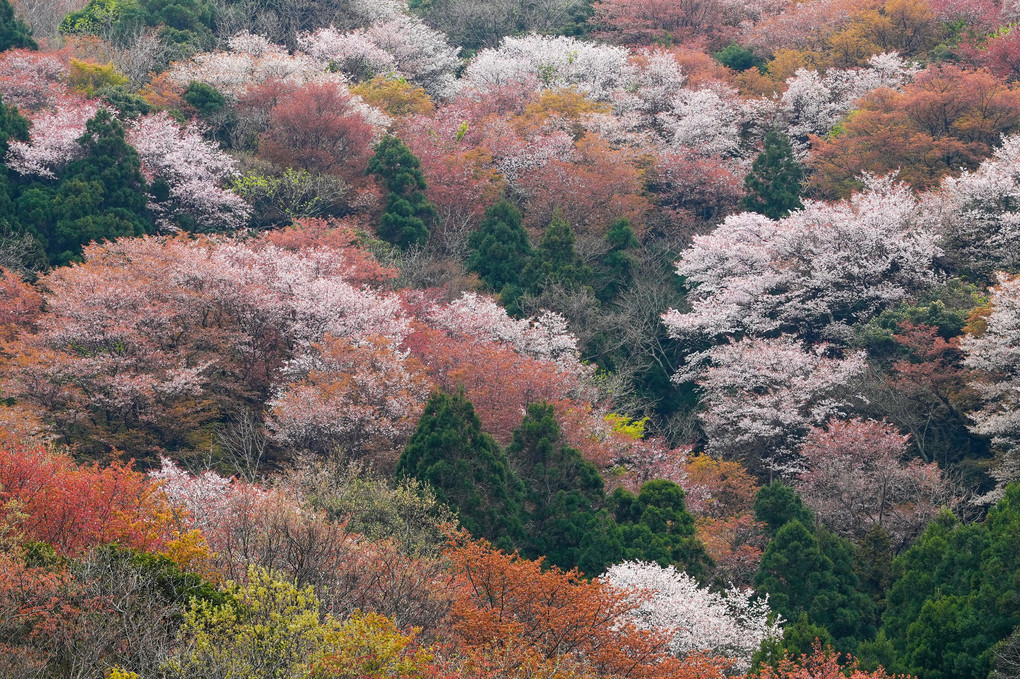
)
(408, 214)
(14, 33)
(12, 127)
(656, 526)
(873, 565)
(956, 594)
(500, 249)
(555, 262)
(773, 184)
(805, 573)
(618, 263)
(564, 492)
(100, 196)
(467, 469)
(777, 504)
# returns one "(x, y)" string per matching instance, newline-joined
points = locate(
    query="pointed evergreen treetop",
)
(773, 184)
(466, 468)
(500, 247)
(555, 261)
(408, 213)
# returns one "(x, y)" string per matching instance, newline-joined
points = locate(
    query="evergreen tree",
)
(563, 492)
(555, 262)
(185, 24)
(405, 221)
(873, 565)
(773, 184)
(813, 575)
(100, 196)
(13, 31)
(500, 249)
(618, 263)
(467, 469)
(205, 98)
(13, 126)
(777, 504)
(656, 526)
(957, 594)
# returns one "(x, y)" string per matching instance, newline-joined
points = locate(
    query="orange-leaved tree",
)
(76, 507)
(527, 614)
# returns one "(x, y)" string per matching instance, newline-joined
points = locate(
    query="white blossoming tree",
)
(731, 624)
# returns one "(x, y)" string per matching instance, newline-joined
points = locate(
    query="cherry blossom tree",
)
(706, 121)
(761, 397)
(731, 624)
(202, 501)
(250, 60)
(977, 214)
(857, 476)
(544, 338)
(813, 104)
(552, 62)
(320, 128)
(54, 139)
(814, 273)
(354, 53)
(194, 169)
(32, 80)
(362, 399)
(142, 344)
(993, 352)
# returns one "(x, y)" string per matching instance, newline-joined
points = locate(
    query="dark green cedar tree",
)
(773, 184)
(14, 34)
(408, 213)
(500, 249)
(564, 493)
(100, 196)
(618, 264)
(656, 526)
(555, 261)
(467, 469)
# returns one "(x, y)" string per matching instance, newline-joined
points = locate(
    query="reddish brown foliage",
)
(75, 508)
(947, 119)
(601, 186)
(499, 382)
(822, 664)
(20, 305)
(506, 602)
(316, 127)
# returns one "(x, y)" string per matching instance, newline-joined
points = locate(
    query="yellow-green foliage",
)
(369, 646)
(628, 426)
(118, 673)
(396, 96)
(87, 77)
(273, 629)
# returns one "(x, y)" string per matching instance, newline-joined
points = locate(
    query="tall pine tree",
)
(773, 184)
(656, 526)
(13, 126)
(408, 214)
(500, 249)
(563, 496)
(467, 469)
(619, 262)
(555, 261)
